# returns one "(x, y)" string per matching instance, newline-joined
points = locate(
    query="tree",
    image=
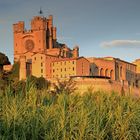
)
(14, 74)
(3, 61)
(66, 86)
(39, 83)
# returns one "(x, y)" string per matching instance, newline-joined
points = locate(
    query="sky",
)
(99, 27)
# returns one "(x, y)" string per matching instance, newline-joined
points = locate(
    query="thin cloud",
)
(121, 43)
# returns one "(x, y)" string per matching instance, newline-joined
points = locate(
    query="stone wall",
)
(105, 85)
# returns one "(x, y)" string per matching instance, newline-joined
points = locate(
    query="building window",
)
(73, 68)
(121, 71)
(35, 58)
(41, 57)
(111, 74)
(73, 62)
(41, 70)
(41, 64)
(90, 70)
(53, 70)
(106, 73)
(101, 72)
(61, 70)
(65, 69)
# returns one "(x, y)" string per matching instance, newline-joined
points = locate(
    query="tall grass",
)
(38, 115)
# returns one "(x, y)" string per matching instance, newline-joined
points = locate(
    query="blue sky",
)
(99, 27)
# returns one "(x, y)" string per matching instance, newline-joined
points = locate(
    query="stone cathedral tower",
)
(42, 36)
(40, 39)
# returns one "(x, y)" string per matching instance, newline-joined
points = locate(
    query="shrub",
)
(40, 83)
(66, 86)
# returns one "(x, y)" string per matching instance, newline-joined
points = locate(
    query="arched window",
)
(106, 73)
(111, 74)
(117, 72)
(121, 71)
(101, 72)
(96, 71)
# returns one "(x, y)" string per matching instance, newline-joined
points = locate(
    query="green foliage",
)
(10, 78)
(4, 59)
(14, 74)
(40, 83)
(39, 115)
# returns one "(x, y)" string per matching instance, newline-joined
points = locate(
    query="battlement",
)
(37, 23)
(28, 31)
(19, 27)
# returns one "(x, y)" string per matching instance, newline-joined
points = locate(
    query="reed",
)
(38, 115)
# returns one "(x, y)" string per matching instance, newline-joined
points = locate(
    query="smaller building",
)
(115, 68)
(67, 67)
(42, 65)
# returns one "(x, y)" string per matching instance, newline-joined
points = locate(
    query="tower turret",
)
(18, 27)
(75, 51)
(50, 34)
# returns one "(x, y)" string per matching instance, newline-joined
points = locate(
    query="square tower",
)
(40, 37)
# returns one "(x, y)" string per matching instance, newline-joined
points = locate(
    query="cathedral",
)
(36, 48)
(41, 55)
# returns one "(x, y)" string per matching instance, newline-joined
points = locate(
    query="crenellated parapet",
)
(19, 27)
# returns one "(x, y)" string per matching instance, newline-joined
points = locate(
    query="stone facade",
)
(40, 40)
(105, 85)
(137, 63)
(65, 68)
(114, 68)
(102, 67)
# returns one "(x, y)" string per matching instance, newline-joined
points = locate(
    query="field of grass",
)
(38, 115)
